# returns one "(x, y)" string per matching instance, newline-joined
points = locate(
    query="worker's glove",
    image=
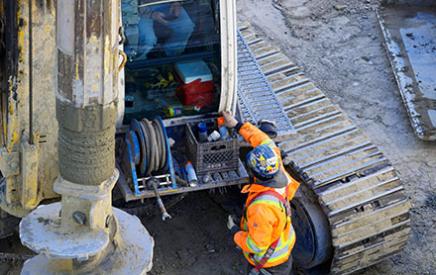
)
(231, 225)
(229, 120)
(268, 127)
(266, 121)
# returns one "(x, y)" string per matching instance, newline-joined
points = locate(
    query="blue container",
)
(202, 132)
(190, 174)
(224, 133)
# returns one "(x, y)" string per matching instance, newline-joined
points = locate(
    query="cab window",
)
(174, 59)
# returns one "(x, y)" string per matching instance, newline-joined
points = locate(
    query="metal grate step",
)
(256, 98)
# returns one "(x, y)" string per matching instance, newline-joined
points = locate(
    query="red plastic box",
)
(196, 93)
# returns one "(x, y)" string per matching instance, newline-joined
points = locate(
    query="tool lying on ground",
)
(154, 183)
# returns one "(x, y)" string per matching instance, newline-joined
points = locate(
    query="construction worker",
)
(266, 235)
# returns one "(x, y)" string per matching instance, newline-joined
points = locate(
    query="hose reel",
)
(148, 153)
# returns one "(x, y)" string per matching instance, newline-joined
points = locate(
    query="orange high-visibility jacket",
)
(265, 220)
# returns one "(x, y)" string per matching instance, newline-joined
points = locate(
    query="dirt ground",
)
(340, 46)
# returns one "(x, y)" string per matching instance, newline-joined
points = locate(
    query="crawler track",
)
(356, 186)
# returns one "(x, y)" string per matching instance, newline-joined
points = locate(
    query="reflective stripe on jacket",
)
(265, 220)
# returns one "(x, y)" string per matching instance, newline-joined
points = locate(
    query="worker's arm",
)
(258, 238)
(249, 132)
(253, 135)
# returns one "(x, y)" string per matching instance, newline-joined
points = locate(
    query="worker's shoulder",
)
(264, 207)
(266, 198)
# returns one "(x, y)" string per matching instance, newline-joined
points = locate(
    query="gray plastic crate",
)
(222, 155)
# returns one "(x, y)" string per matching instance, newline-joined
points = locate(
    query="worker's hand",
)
(175, 9)
(231, 225)
(230, 120)
(159, 17)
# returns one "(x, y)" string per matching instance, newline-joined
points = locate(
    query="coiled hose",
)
(152, 144)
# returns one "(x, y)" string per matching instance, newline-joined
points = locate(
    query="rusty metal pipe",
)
(90, 235)
(87, 89)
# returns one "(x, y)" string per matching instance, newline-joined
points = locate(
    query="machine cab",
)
(181, 59)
